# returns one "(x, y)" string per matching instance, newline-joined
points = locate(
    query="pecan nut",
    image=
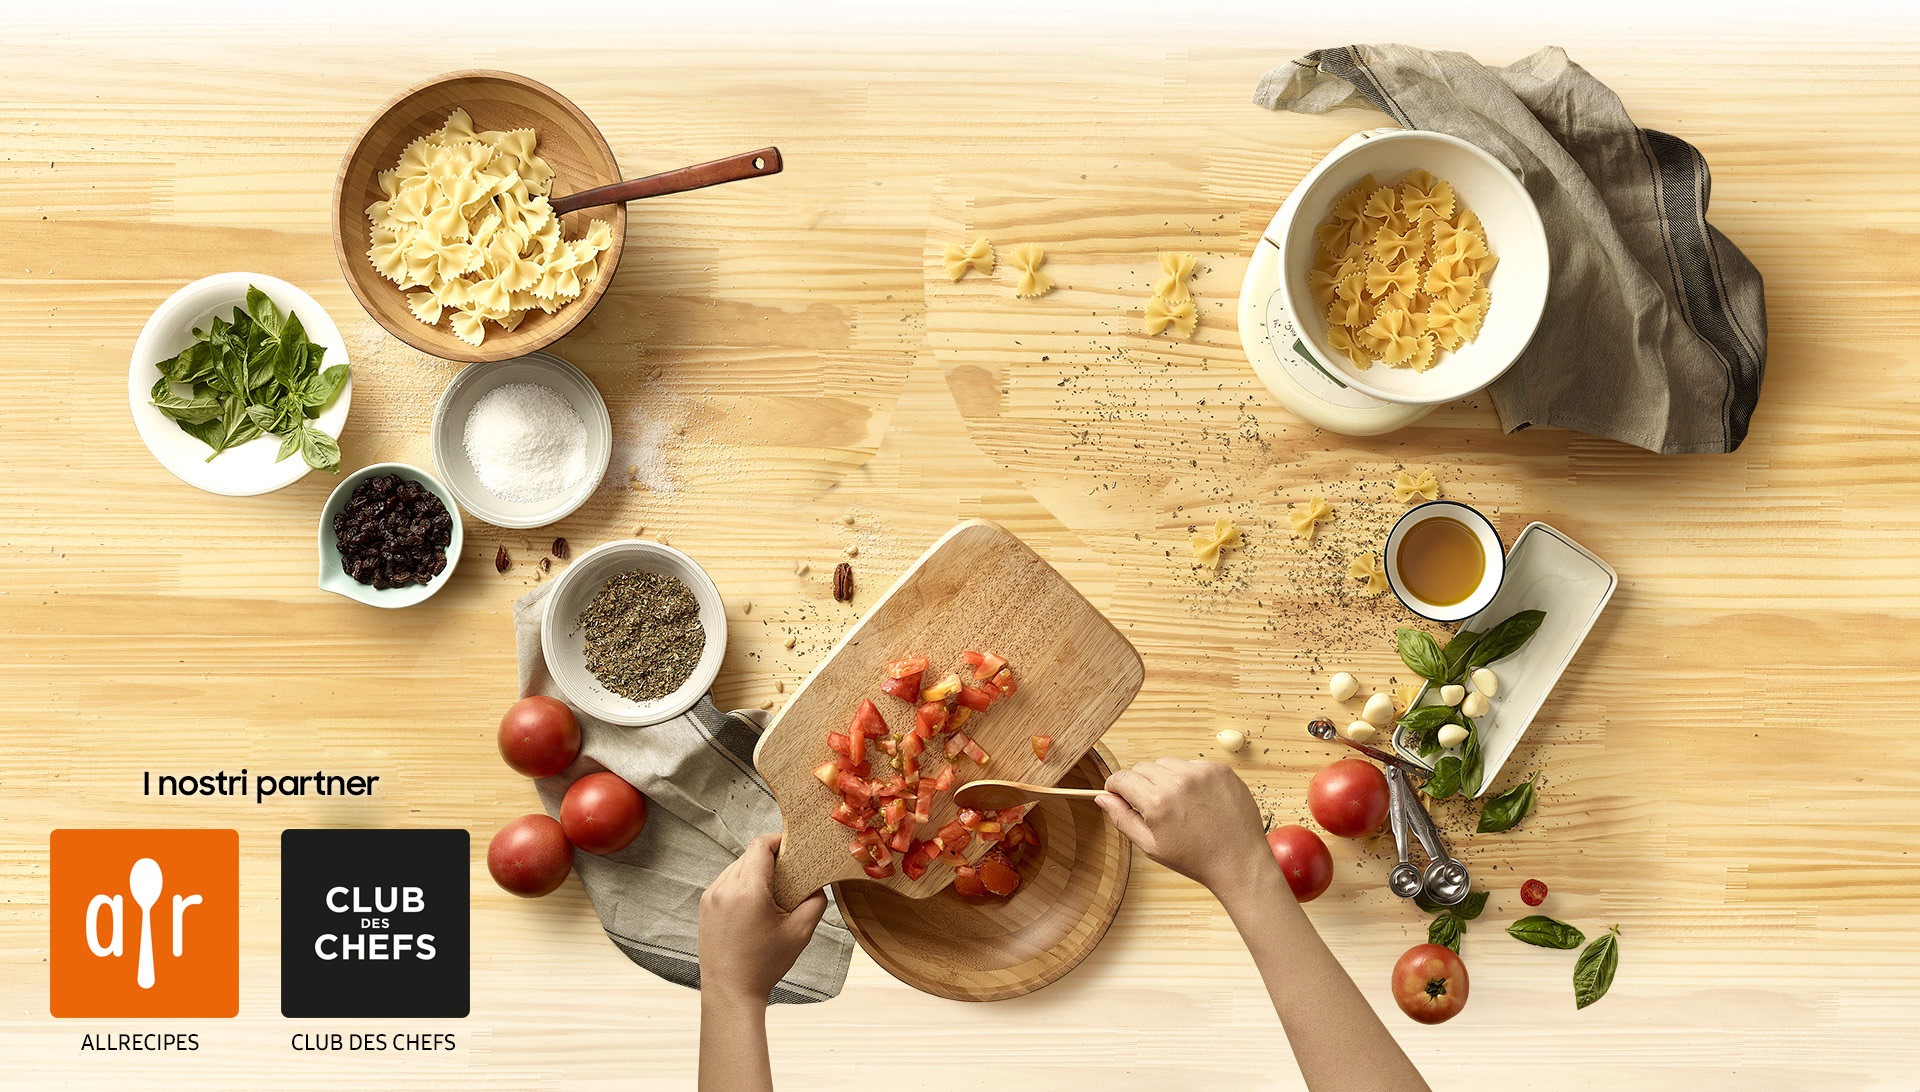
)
(561, 550)
(843, 582)
(501, 562)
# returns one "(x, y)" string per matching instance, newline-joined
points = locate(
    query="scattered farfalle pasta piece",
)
(1306, 518)
(1162, 313)
(976, 256)
(1367, 567)
(1398, 333)
(1174, 271)
(1208, 546)
(1409, 486)
(1026, 260)
(463, 217)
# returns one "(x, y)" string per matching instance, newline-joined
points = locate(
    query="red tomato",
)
(1041, 745)
(1430, 983)
(966, 882)
(530, 856)
(912, 665)
(1303, 859)
(906, 687)
(997, 874)
(538, 736)
(1349, 798)
(601, 813)
(1533, 892)
(974, 698)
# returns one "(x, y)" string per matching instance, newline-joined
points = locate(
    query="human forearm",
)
(733, 1043)
(1337, 1040)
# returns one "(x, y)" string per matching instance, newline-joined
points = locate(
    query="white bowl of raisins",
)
(390, 535)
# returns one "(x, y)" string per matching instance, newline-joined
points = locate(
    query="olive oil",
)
(1441, 561)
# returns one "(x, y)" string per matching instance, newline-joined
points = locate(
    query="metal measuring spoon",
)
(1322, 728)
(1404, 880)
(1445, 881)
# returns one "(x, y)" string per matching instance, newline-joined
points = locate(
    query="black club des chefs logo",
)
(373, 923)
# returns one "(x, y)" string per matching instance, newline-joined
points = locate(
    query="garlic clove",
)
(1343, 686)
(1359, 731)
(1231, 739)
(1451, 735)
(1451, 694)
(1378, 711)
(1485, 681)
(1476, 705)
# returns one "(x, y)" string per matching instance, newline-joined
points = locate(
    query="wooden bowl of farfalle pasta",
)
(442, 224)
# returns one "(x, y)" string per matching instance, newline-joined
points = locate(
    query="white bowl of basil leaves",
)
(240, 385)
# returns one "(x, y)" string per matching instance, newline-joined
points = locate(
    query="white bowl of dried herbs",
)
(634, 632)
(240, 385)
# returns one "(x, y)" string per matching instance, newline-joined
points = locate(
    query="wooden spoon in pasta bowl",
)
(583, 171)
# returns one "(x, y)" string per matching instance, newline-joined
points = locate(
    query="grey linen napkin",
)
(1655, 330)
(705, 802)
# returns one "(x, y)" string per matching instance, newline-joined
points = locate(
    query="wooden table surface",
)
(780, 353)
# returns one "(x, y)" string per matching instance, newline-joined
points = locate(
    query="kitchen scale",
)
(1312, 391)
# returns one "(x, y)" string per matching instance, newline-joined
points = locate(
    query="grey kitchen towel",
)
(1655, 330)
(705, 802)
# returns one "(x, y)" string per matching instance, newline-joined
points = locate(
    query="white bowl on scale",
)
(1514, 232)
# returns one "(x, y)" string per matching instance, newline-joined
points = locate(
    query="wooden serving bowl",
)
(992, 949)
(564, 137)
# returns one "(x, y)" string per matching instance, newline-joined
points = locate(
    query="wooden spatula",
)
(996, 795)
(731, 169)
(978, 587)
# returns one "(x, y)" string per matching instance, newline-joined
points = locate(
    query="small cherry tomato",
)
(1533, 892)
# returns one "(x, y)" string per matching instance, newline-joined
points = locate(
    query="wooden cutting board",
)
(978, 587)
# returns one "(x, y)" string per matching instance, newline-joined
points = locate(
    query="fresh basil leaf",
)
(1426, 717)
(289, 444)
(1421, 653)
(262, 310)
(1505, 811)
(1445, 781)
(1542, 931)
(1471, 764)
(265, 418)
(1506, 638)
(319, 449)
(1471, 906)
(1446, 928)
(320, 389)
(1593, 971)
(1456, 652)
(194, 409)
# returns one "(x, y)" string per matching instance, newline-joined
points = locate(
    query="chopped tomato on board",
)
(906, 688)
(884, 809)
(1042, 745)
(985, 664)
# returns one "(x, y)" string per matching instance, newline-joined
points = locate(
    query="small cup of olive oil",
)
(1444, 560)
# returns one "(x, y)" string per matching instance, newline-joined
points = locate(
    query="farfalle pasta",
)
(975, 257)
(1171, 304)
(1209, 546)
(1367, 567)
(1305, 519)
(464, 228)
(1400, 272)
(1026, 261)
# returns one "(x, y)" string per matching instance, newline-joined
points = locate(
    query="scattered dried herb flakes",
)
(643, 635)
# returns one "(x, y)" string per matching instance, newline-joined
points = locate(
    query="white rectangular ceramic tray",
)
(1546, 571)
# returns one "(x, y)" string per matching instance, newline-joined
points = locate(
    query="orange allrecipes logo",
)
(145, 923)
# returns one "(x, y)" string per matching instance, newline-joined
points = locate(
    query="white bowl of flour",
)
(522, 442)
